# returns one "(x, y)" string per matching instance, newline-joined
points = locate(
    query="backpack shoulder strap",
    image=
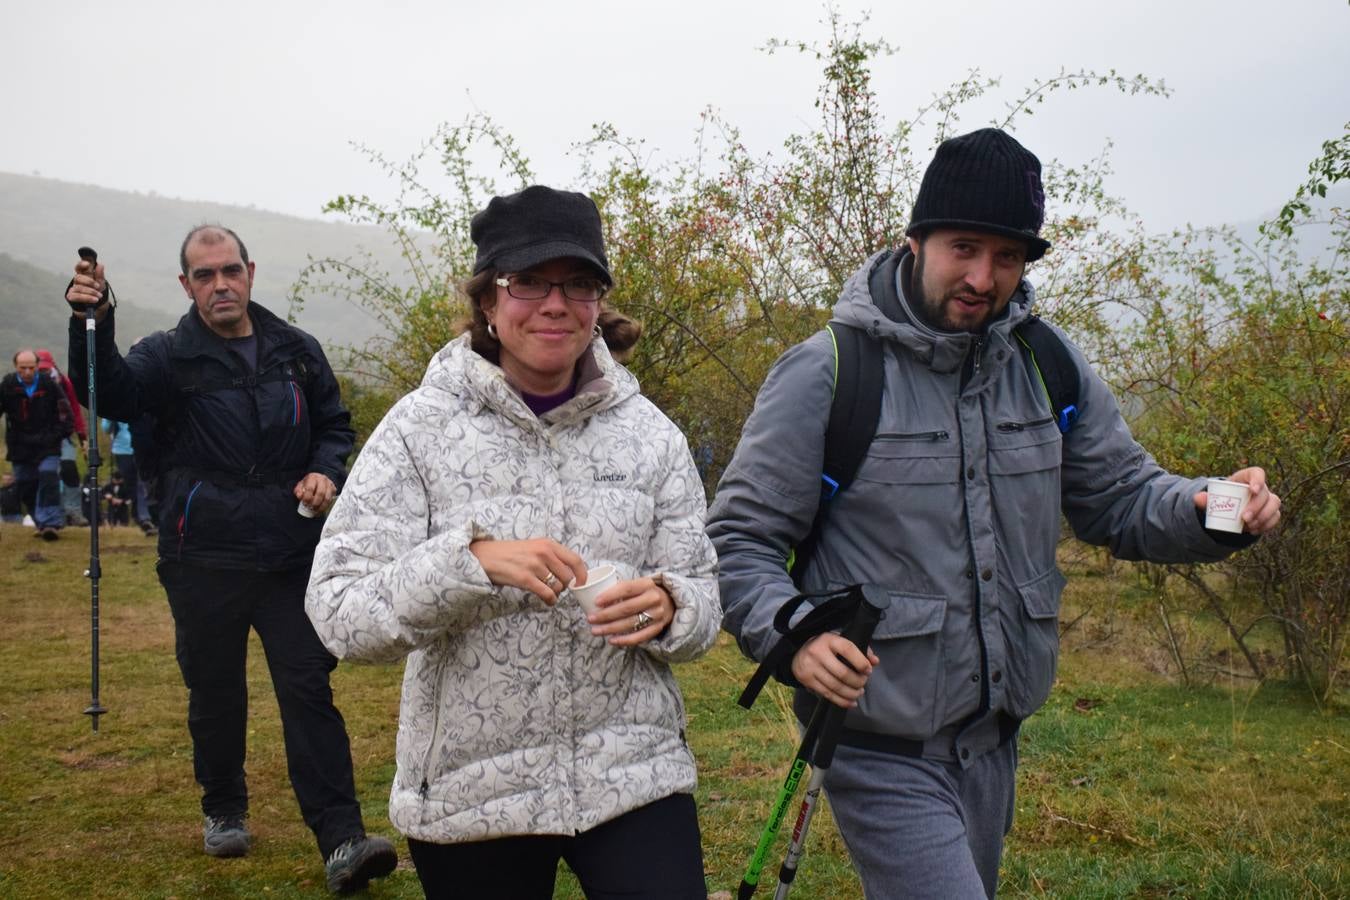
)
(1050, 360)
(855, 408)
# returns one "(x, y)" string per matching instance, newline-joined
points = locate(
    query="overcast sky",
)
(258, 102)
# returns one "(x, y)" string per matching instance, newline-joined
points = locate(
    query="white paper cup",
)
(1227, 500)
(308, 512)
(598, 581)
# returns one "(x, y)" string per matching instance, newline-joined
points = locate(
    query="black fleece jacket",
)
(232, 443)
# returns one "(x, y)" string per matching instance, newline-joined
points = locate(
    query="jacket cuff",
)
(1227, 539)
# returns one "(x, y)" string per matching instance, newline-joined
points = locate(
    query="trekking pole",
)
(780, 804)
(96, 708)
(859, 631)
(866, 603)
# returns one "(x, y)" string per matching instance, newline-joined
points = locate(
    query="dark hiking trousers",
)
(213, 610)
(651, 853)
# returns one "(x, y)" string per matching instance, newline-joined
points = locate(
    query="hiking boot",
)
(149, 528)
(226, 836)
(357, 860)
(50, 534)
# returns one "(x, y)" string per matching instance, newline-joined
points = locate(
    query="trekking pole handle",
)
(874, 603)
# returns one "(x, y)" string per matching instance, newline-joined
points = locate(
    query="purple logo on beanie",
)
(1037, 196)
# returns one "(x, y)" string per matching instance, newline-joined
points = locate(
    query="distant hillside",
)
(43, 221)
(35, 316)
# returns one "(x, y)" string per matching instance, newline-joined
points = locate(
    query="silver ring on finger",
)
(551, 581)
(642, 621)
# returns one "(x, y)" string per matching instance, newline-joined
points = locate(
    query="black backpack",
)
(855, 407)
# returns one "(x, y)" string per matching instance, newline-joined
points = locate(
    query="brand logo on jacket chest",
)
(610, 477)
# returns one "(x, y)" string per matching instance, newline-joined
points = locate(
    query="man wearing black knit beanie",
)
(981, 424)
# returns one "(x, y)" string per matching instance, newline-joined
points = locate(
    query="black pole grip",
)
(859, 630)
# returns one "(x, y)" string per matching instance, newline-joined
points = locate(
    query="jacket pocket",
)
(905, 693)
(213, 521)
(925, 457)
(1031, 642)
(181, 523)
(420, 725)
(1017, 448)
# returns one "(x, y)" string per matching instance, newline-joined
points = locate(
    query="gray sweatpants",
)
(920, 828)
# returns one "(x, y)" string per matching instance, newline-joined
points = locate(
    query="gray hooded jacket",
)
(956, 510)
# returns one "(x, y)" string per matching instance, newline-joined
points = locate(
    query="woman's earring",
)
(492, 332)
(597, 331)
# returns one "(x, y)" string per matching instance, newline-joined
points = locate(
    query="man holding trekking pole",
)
(984, 425)
(251, 440)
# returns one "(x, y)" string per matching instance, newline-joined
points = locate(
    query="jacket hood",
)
(458, 369)
(870, 301)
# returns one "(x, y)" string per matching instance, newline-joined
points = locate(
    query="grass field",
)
(1130, 786)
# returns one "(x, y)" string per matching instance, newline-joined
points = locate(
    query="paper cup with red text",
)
(1227, 500)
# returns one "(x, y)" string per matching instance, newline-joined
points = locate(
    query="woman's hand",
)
(632, 612)
(541, 566)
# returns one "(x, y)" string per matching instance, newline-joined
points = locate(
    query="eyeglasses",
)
(581, 289)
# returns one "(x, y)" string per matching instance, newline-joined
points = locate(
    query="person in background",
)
(530, 731)
(124, 463)
(248, 422)
(73, 446)
(956, 512)
(118, 499)
(38, 421)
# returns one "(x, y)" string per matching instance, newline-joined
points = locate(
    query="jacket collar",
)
(193, 338)
(601, 383)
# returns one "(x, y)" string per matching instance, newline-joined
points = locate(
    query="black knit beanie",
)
(535, 225)
(984, 181)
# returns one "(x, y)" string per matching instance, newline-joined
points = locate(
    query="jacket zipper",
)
(914, 436)
(977, 350)
(1007, 427)
(425, 789)
(182, 520)
(295, 404)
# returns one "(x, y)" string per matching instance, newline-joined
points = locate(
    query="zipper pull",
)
(977, 348)
(425, 789)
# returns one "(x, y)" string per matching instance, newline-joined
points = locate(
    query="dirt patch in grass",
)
(78, 760)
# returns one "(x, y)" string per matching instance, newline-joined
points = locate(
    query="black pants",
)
(653, 852)
(213, 610)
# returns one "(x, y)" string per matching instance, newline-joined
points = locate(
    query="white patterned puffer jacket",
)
(514, 718)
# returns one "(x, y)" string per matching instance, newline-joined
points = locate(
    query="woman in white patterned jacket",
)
(528, 732)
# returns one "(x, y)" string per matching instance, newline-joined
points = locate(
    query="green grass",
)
(1142, 789)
